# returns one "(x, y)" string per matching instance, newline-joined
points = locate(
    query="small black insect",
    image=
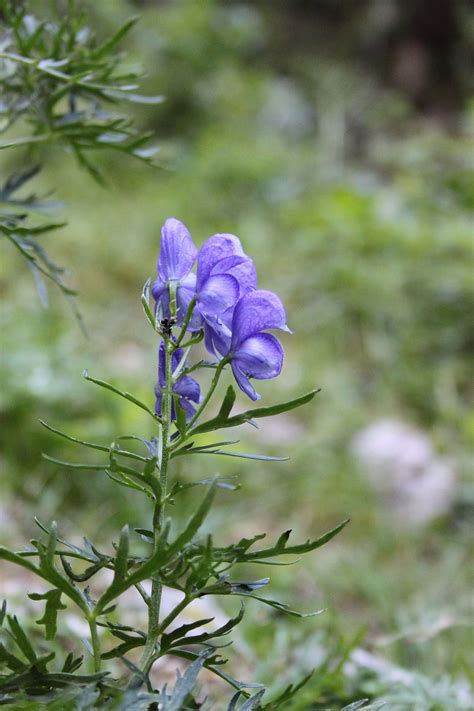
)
(166, 326)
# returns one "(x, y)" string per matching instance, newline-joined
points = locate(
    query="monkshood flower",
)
(224, 274)
(175, 262)
(253, 353)
(186, 388)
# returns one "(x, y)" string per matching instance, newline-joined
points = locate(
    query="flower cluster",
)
(220, 299)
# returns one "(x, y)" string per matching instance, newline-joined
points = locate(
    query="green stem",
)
(186, 321)
(175, 612)
(95, 641)
(159, 512)
(210, 393)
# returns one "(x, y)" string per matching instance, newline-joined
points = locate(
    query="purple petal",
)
(219, 294)
(162, 301)
(188, 408)
(242, 269)
(184, 293)
(177, 251)
(161, 366)
(244, 383)
(212, 251)
(217, 336)
(255, 312)
(188, 388)
(260, 357)
(158, 287)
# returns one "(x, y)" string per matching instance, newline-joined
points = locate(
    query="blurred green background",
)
(333, 139)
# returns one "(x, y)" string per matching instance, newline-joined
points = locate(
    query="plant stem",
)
(159, 511)
(176, 611)
(210, 393)
(186, 321)
(95, 643)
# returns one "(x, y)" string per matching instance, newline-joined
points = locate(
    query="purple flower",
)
(177, 256)
(255, 354)
(186, 388)
(224, 274)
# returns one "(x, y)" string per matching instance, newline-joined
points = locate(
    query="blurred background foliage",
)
(334, 139)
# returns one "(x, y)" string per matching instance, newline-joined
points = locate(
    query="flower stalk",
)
(149, 652)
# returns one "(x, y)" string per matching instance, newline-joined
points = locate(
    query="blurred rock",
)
(399, 461)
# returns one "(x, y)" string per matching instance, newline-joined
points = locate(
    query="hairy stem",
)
(95, 641)
(159, 512)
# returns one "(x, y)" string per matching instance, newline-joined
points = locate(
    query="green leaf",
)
(282, 549)
(124, 95)
(227, 403)
(280, 606)
(219, 422)
(161, 555)
(72, 663)
(190, 449)
(45, 682)
(52, 607)
(178, 637)
(178, 634)
(212, 666)
(289, 693)
(73, 465)
(10, 661)
(355, 705)
(185, 684)
(193, 524)
(253, 702)
(21, 639)
(125, 395)
(242, 455)
(146, 304)
(92, 445)
(180, 417)
(12, 557)
(49, 572)
(121, 559)
(113, 41)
